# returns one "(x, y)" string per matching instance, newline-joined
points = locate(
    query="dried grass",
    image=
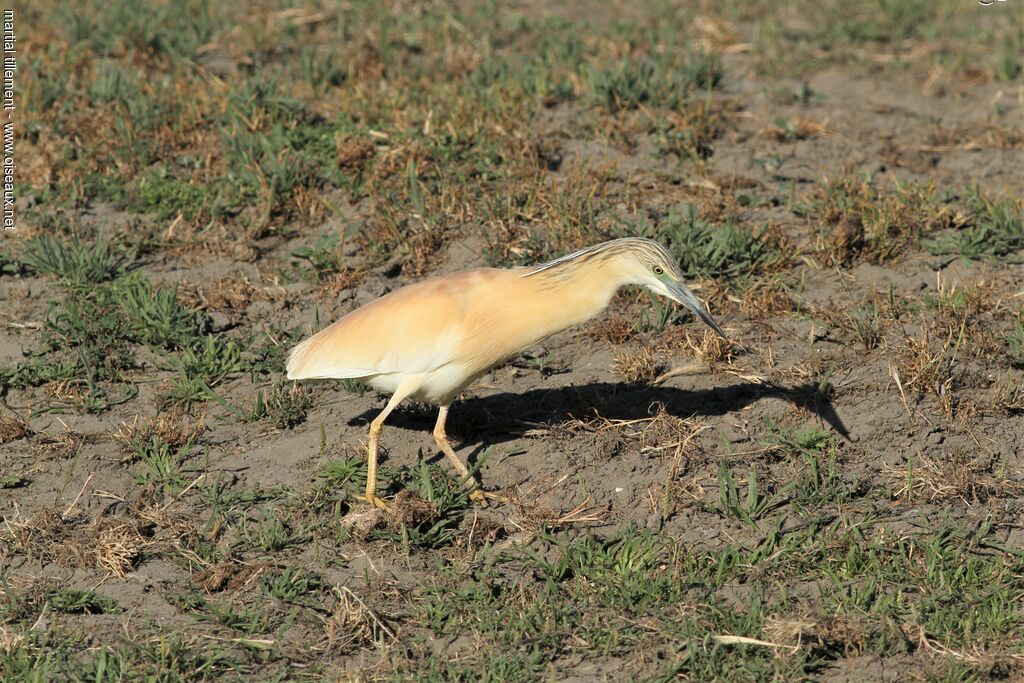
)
(113, 544)
(767, 297)
(409, 509)
(865, 220)
(232, 293)
(615, 330)
(353, 152)
(481, 532)
(636, 367)
(973, 137)
(119, 547)
(13, 427)
(334, 284)
(69, 390)
(659, 432)
(712, 349)
(362, 521)
(173, 428)
(662, 433)
(801, 129)
(922, 365)
(10, 640)
(1010, 390)
(532, 515)
(809, 632)
(230, 576)
(354, 624)
(927, 478)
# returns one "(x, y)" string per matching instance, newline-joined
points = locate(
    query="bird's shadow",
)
(505, 416)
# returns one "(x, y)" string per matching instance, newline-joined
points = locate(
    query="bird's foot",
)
(376, 502)
(480, 496)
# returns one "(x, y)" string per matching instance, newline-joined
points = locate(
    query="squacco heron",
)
(431, 339)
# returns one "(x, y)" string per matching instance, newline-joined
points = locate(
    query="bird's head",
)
(652, 266)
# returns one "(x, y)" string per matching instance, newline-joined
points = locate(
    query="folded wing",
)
(413, 330)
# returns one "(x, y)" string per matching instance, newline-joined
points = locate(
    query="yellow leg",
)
(374, 446)
(441, 438)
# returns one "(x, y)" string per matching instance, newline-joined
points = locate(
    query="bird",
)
(431, 339)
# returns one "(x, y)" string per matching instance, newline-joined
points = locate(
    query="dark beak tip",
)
(687, 299)
(713, 324)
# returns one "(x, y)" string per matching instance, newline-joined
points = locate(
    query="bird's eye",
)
(658, 270)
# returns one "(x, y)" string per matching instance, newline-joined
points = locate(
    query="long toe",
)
(496, 497)
(375, 502)
(481, 496)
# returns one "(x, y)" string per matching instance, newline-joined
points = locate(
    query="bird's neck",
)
(580, 291)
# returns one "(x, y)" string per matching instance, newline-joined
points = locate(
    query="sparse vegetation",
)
(708, 250)
(201, 368)
(634, 82)
(71, 601)
(284, 405)
(860, 218)
(78, 262)
(995, 230)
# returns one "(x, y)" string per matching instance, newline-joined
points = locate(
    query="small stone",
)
(220, 322)
(258, 309)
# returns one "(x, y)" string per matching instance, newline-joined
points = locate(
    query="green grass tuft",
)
(202, 367)
(77, 262)
(634, 82)
(70, 601)
(707, 250)
(995, 231)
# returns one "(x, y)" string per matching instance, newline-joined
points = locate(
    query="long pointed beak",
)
(680, 293)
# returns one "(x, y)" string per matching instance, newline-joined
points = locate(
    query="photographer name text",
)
(10, 66)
